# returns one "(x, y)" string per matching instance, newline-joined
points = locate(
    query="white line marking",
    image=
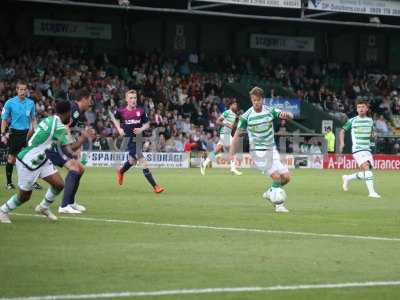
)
(282, 232)
(212, 291)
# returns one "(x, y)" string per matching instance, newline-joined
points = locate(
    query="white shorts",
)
(225, 140)
(26, 177)
(269, 161)
(363, 156)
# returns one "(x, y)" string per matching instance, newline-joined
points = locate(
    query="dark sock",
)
(126, 167)
(9, 170)
(149, 177)
(75, 189)
(70, 186)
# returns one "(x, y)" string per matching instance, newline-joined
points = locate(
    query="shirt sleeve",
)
(242, 123)
(145, 118)
(347, 125)
(33, 110)
(6, 112)
(118, 115)
(275, 112)
(61, 134)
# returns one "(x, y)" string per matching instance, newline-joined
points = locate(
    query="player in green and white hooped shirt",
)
(227, 121)
(258, 122)
(361, 128)
(33, 164)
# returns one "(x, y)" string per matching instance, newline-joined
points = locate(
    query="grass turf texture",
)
(81, 257)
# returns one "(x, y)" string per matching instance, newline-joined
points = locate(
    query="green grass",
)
(75, 256)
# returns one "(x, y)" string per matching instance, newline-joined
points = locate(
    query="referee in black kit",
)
(19, 115)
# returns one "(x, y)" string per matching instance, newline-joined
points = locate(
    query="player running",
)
(258, 121)
(228, 121)
(134, 122)
(32, 163)
(361, 128)
(74, 167)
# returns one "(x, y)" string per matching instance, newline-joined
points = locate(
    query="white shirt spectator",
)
(304, 148)
(315, 149)
(186, 127)
(381, 125)
(194, 58)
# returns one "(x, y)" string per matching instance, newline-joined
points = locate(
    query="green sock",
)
(11, 204)
(49, 197)
(276, 184)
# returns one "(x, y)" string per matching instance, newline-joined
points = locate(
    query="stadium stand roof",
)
(299, 12)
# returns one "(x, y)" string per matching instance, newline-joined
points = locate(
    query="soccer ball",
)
(276, 196)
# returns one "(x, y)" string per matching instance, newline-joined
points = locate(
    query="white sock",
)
(49, 198)
(352, 176)
(207, 161)
(369, 181)
(11, 204)
(233, 166)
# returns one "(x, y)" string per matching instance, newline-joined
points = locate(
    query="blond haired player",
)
(258, 122)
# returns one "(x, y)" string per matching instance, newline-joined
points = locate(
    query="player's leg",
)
(51, 176)
(127, 164)
(346, 179)
(9, 170)
(233, 168)
(210, 157)
(60, 160)
(72, 180)
(280, 176)
(368, 177)
(25, 180)
(277, 184)
(365, 161)
(15, 144)
(149, 176)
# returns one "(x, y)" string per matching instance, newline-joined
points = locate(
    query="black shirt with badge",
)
(78, 118)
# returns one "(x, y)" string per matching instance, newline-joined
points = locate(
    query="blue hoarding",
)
(287, 105)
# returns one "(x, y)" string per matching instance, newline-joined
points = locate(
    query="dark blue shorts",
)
(135, 153)
(56, 158)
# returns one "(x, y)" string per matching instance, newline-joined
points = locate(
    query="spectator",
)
(315, 147)
(330, 140)
(381, 125)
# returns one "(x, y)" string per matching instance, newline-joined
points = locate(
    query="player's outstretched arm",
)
(221, 122)
(286, 115)
(116, 123)
(31, 129)
(88, 133)
(4, 125)
(234, 142)
(141, 129)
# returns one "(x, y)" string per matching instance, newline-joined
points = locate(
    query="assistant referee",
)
(19, 115)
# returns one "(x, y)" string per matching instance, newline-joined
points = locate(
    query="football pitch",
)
(211, 237)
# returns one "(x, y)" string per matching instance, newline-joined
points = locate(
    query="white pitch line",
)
(239, 229)
(211, 291)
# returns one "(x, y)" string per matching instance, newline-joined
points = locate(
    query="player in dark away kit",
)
(130, 122)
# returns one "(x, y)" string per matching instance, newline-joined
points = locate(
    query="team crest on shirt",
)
(27, 112)
(138, 114)
(76, 114)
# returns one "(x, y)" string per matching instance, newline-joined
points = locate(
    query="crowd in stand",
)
(183, 95)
